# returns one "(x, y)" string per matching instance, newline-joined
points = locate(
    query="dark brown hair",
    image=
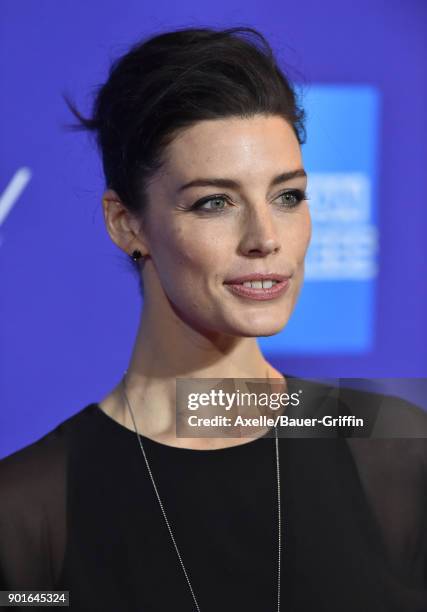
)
(168, 82)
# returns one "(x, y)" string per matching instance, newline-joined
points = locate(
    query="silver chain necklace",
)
(279, 521)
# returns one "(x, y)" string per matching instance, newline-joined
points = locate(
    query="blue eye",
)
(293, 197)
(206, 200)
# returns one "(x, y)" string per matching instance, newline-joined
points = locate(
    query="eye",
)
(214, 199)
(293, 197)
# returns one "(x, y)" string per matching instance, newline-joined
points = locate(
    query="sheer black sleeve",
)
(32, 514)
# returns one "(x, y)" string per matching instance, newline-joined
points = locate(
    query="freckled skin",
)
(191, 325)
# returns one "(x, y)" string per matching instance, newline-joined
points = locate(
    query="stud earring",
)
(136, 255)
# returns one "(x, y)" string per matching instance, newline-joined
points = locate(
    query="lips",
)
(256, 276)
(269, 292)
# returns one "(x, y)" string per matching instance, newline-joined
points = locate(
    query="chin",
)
(255, 329)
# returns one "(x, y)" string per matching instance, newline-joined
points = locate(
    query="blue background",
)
(336, 308)
(69, 306)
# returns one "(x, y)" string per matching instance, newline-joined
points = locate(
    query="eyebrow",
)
(231, 184)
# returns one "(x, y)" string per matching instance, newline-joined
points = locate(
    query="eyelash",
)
(298, 193)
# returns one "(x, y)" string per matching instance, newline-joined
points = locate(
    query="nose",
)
(260, 235)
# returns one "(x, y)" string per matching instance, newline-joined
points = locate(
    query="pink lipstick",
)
(259, 286)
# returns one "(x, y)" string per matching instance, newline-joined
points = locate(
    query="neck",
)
(167, 348)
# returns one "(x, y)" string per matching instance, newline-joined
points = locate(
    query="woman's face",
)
(245, 224)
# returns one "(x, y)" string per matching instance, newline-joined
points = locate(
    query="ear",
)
(123, 226)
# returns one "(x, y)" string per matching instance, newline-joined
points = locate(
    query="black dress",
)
(78, 512)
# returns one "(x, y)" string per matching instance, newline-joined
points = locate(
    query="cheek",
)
(307, 235)
(187, 254)
(296, 237)
(303, 235)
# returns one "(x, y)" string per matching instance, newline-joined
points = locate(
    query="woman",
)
(200, 134)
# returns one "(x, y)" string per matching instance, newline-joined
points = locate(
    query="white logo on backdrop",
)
(13, 190)
(344, 242)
